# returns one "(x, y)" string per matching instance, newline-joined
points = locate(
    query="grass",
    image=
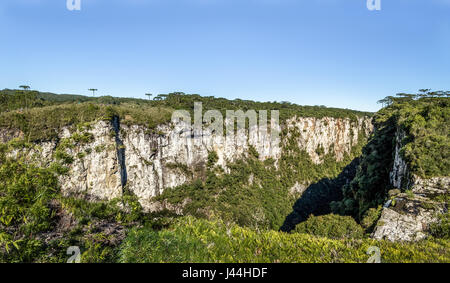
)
(45, 123)
(198, 241)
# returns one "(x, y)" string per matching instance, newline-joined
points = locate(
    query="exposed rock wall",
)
(147, 162)
(399, 170)
(407, 216)
(333, 135)
(147, 155)
(97, 175)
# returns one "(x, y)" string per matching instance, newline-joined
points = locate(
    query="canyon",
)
(147, 162)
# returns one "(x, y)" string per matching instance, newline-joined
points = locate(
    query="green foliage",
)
(96, 243)
(317, 197)
(256, 193)
(25, 191)
(25, 195)
(371, 183)
(296, 164)
(212, 158)
(44, 123)
(48, 112)
(331, 226)
(320, 150)
(427, 146)
(425, 118)
(370, 218)
(194, 240)
(179, 100)
(64, 157)
(233, 198)
(125, 210)
(426, 149)
(182, 168)
(19, 99)
(33, 215)
(441, 229)
(100, 148)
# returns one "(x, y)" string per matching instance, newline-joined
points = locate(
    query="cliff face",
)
(414, 206)
(95, 172)
(399, 170)
(147, 162)
(333, 135)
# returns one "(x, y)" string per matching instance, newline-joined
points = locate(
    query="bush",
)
(331, 226)
(370, 218)
(25, 195)
(441, 229)
(195, 240)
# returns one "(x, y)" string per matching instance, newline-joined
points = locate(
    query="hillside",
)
(404, 168)
(102, 173)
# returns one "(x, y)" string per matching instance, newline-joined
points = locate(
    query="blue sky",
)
(316, 52)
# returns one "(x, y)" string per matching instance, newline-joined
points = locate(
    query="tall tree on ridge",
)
(93, 90)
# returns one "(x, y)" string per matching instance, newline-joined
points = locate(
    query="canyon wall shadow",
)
(317, 197)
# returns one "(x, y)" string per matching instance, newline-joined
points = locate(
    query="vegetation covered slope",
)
(194, 240)
(37, 224)
(41, 115)
(425, 120)
(255, 193)
(213, 191)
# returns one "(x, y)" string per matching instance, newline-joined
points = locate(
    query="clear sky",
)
(310, 52)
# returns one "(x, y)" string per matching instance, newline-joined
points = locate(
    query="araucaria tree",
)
(93, 90)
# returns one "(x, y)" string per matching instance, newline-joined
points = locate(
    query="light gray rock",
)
(97, 174)
(334, 135)
(151, 161)
(8, 134)
(298, 189)
(407, 219)
(399, 170)
(410, 215)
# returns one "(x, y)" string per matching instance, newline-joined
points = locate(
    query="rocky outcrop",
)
(328, 135)
(8, 134)
(147, 162)
(407, 216)
(95, 172)
(149, 154)
(399, 170)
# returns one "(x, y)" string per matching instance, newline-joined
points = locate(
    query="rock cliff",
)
(146, 162)
(407, 215)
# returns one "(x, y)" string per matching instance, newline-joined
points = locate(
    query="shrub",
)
(212, 158)
(370, 218)
(441, 229)
(194, 240)
(25, 195)
(331, 226)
